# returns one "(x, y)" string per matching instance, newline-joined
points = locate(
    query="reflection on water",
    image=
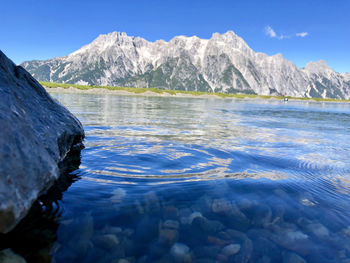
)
(207, 180)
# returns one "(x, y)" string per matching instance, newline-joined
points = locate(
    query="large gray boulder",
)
(36, 134)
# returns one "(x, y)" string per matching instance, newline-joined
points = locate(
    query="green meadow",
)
(175, 92)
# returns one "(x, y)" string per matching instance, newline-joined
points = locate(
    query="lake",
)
(204, 180)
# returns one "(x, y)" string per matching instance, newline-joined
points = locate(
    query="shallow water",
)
(206, 180)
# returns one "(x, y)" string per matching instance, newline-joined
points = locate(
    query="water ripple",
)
(282, 169)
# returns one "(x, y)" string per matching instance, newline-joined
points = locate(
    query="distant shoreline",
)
(153, 92)
(125, 92)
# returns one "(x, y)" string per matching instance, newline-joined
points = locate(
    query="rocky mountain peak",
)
(318, 67)
(229, 35)
(347, 76)
(104, 42)
(223, 63)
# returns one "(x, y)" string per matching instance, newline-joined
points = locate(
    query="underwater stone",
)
(83, 228)
(152, 203)
(318, 230)
(156, 252)
(207, 226)
(222, 206)
(107, 242)
(231, 249)
(146, 230)
(236, 219)
(128, 232)
(296, 241)
(289, 257)
(222, 258)
(185, 212)
(296, 235)
(262, 215)
(264, 259)
(139, 207)
(205, 204)
(180, 252)
(205, 260)
(217, 241)
(193, 216)
(246, 250)
(223, 235)
(168, 232)
(112, 230)
(206, 251)
(128, 246)
(78, 234)
(263, 246)
(170, 212)
(168, 236)
(282, 194)
(80, 247)
(184, 215)
(36, 135)
(346, 231)
(172, 224)
(245, 203)
(8, 256)
(118, 195)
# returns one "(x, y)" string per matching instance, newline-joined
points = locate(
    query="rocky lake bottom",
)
(198, 180)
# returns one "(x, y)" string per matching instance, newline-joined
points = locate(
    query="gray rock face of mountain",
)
(224, 63)
(36, 135)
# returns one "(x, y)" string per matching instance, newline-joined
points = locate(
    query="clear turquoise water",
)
(195, 180)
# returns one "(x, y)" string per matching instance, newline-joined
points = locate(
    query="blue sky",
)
(42, 29)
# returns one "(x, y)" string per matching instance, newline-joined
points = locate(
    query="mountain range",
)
(223, 63)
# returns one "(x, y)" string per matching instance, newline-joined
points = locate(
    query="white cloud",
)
(283, 37)
(272, 33)
(302, 34)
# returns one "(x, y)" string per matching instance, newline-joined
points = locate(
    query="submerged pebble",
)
(295, 236)
(172, 224)
(231, 249)
(180, 252)
(168, 236)
(170, 212)
(318, 230)
(8, 256)
(289, 257)
(107, 242)
(152, 203)
(222, 206)
(118, 195)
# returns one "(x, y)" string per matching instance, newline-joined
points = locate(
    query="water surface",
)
(207, 180)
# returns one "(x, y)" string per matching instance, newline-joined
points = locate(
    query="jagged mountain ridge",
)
(223, 63)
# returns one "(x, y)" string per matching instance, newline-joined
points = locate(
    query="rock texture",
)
(224, 63)
(36, 135)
